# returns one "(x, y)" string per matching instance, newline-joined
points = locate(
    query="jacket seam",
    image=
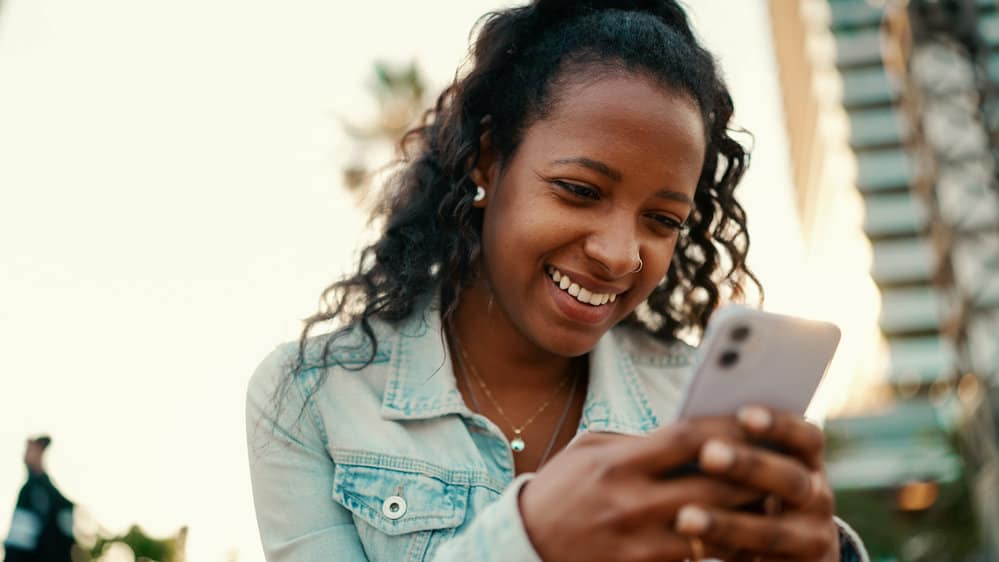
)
(369, 459)
(310, 405)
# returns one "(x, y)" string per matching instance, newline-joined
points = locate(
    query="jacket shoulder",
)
(348, 348)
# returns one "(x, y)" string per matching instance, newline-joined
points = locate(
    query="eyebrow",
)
(592, 164)
(604, 169)
(671, 195)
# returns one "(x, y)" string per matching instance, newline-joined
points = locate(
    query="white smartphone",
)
(751, 357)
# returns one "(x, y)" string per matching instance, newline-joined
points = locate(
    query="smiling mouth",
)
(573, 289)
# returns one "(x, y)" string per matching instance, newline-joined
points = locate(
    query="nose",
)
(613, 244)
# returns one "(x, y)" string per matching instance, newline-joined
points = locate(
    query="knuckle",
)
(815, 546)
(611, 515)
(799, 487)
(602, 469)
(825, 502)
(746, 463)
(781, 428)
(719, 527)
(685, 437)
(705, 489)
(814, 437)
(722, 553)
(829, 501)
(639, 551)
(774, 541)
(607, 473)
(624, 511)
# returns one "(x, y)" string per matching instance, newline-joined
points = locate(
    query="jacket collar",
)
(421, 384)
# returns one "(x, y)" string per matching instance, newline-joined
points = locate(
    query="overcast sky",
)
(170, 209)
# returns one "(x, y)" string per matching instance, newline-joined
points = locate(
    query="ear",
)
(486, 171)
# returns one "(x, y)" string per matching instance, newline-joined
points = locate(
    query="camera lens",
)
(740, 333)
(728, 358)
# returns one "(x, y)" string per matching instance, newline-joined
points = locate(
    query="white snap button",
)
(394, 507)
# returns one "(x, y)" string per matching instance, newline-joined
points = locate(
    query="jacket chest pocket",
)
(399, 515)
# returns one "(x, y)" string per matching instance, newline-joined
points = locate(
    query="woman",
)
(565, 211)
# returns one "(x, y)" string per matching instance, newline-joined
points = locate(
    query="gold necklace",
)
(517, 444)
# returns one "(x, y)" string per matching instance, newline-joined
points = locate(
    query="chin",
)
(570, 344)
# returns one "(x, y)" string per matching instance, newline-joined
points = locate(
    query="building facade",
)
(896, 105)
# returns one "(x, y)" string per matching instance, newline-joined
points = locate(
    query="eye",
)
(580, 191)
(667, 224)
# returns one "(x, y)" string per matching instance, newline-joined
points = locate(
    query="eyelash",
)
(583, 192)
(580, 191)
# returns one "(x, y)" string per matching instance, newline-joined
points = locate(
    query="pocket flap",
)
(397, 502)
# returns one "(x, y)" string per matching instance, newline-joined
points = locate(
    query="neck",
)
(499, 352)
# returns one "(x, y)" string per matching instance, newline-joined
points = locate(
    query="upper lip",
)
(589, 283)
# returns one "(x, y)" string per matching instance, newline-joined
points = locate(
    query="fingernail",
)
(717, 455)
(691, 520)
(755, 418)
(818, 483)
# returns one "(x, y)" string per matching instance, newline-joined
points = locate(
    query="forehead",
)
(624, 117)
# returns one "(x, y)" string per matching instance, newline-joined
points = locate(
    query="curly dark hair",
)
(521, 61)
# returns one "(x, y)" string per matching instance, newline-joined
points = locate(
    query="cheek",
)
(520, 230)
(656, 267)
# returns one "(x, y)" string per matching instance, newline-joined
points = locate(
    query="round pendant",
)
(517, 444)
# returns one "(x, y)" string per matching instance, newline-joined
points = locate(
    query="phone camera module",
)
(728, 358)
(740, 333)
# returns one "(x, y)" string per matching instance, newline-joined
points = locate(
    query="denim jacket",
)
(386, 463)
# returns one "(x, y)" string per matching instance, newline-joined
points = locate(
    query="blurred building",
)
(896, 103)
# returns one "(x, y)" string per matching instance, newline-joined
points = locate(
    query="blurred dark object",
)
(956, 18)
(42, 527)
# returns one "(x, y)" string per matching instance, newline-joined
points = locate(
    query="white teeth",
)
(582, 295)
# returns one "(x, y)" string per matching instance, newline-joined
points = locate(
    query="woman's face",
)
(606, 179)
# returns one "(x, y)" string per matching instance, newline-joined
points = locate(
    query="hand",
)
(804, 530)
(605, 498)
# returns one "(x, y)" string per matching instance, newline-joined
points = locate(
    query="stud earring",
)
(480, 194)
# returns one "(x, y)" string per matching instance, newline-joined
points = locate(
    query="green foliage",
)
(399, 91)
(144, 546)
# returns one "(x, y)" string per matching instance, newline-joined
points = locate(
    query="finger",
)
(794, 536)
(677, 444)
(664, 499)
(765, 470)
(788, 431)
(753, 557)
(654, 543)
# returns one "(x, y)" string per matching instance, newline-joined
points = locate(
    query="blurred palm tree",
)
(399, 91)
